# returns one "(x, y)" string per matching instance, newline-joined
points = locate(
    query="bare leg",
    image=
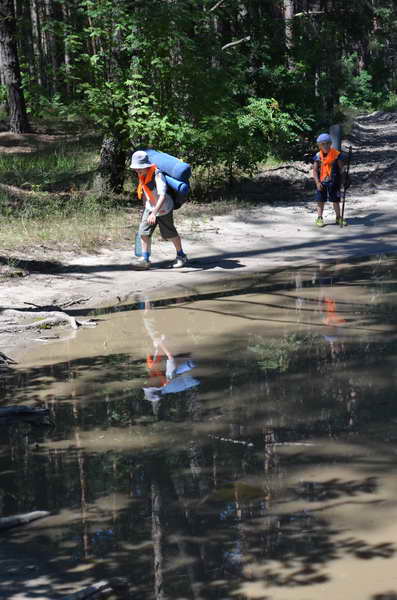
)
(320, 208)
(337, 209)
(146, 243)
(177, 243)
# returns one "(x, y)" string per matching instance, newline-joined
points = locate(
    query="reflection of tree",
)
(157, 540)
(83, 485)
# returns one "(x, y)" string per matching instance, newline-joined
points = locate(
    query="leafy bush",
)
(239, 139)
(390, 104)
(358, 91)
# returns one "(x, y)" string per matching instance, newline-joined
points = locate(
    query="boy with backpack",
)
(328, 174)
(159, 207)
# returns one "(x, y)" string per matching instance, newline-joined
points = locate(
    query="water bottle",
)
(138, 244)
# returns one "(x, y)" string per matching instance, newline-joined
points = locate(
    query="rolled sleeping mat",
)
(335, 131)
(180, 187)
(180, 384)
(170, 165)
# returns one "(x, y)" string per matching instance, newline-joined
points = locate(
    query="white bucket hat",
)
(140, 160)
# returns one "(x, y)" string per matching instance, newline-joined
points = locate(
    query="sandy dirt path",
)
(271, 235)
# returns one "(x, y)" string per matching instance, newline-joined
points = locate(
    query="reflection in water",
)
(167, 374)
(251, 453)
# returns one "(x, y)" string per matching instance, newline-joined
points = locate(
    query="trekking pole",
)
(346, 184)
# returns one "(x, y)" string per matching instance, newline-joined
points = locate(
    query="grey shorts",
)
(165, 223)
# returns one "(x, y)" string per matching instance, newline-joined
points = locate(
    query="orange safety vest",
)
(155, 368)
(327, 162)
(147, 183)
(332, 318)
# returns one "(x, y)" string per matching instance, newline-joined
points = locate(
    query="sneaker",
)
(179, 262)
(319, 222)
(141, 264)
(340, 221)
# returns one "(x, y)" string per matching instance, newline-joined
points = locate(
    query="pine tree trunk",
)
(51, 47)
(67, 61)
(36, 38)
(112, 166)
(113, 153)
(289, 41)
(11, 71)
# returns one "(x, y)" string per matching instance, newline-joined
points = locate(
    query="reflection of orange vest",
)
(155, 368)
(147, 183)
(331, 317)
(327, 162)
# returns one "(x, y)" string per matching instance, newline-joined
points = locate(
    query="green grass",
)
(60, 166)
(86, 230)
(51, 206)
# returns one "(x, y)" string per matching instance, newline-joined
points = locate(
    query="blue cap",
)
(323, 138)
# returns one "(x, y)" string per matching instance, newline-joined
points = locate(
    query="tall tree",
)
(288, 19)
(11, 70)
(36, 40)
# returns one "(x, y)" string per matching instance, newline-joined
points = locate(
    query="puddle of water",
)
(240, 445)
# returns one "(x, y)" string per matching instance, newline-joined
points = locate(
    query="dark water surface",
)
(239, 446)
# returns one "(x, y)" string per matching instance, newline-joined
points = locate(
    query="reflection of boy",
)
(328, 173)
(332, 320)
(165, 376)
(170, 385)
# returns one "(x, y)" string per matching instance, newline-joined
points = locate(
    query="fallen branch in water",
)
(99, 589)
(5, 411)
(231, 440)
(6, 361)
(90, 592)
(291, 444)
(15, 520)
(21, 414)
(251, 445)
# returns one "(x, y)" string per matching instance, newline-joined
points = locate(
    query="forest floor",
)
(272, 228)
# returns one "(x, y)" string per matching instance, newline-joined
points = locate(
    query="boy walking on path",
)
(328, 174)
(159, 207)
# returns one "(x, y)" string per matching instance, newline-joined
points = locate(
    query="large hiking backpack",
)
(176, 172)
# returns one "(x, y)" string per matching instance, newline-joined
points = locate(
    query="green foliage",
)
(267, 129)
(390, 103)
(49, 169)
(238, 139)
(3, 94)
(281, 354)
(151, 99)
(358, 89)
